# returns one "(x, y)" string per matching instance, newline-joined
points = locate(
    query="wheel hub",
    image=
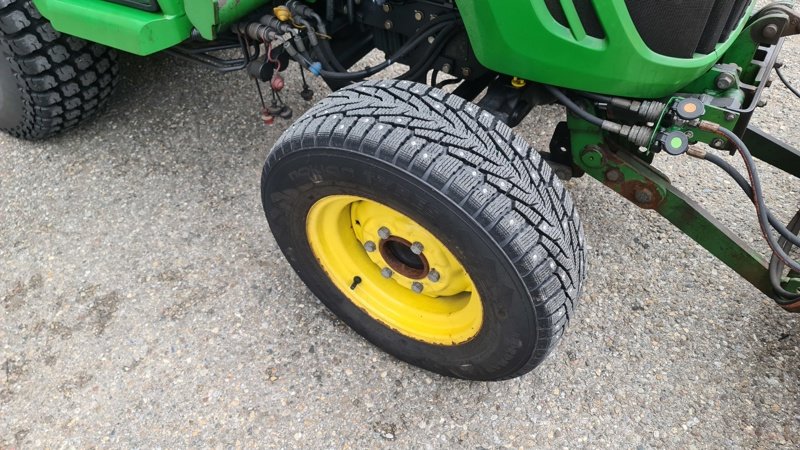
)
(409, 280)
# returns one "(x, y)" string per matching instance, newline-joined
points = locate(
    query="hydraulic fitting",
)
(647, 110)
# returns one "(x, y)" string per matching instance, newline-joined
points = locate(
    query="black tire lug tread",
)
(54, 71)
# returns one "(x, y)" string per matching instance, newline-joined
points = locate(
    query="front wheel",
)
(428, 227)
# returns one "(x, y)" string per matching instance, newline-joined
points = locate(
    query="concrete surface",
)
(145, 304)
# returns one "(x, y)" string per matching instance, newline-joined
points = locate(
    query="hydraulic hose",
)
(572, 106)
(326, 53)
(758, 197)
(785, 232)
(404, 50)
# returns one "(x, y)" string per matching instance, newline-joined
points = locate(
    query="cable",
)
(785, 232)
(786, 82)
(761, 209)
(776, 266)
(572, 106)
(404, 50)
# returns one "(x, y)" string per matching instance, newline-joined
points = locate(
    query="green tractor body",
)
(551, 42)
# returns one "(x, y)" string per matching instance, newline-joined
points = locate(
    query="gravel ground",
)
(145, 303)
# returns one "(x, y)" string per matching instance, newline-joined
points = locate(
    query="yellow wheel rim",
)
(394, 270)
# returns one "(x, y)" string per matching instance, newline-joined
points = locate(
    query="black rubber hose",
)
(776, 266)
(785, 232)
(404, 50)
(596, 97)
(786, 82)
(572, 106)
(758, 196)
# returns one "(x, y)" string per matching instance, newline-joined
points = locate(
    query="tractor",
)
(404, 199)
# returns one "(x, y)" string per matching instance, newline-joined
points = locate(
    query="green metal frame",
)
(141, 32)
(627, 170)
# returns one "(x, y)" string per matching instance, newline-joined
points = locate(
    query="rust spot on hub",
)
(396, 251)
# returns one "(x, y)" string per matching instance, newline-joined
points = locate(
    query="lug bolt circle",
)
(433, 275)
(386, 272)
(416, 287)
(384, 233)
(370, 246)
(417, 248)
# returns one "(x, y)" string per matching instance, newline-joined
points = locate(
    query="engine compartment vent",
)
(683, 28)
(586, 13)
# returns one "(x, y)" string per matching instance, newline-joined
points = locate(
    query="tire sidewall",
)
(507, 339)
(12, 105)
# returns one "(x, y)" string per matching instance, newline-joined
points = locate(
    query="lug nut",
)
(386, 272)
(417, 248)
(384, 233)
(369, 246)
(433, 275)
(416, 287)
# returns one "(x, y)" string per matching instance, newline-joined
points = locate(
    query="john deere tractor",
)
(406, 202)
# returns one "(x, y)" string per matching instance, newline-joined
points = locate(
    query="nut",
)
(386, 272)
(417, 248)
(418, 16)
(725, 81)
(370, 246)
(433, 275)
(416, 287)
(384, 233)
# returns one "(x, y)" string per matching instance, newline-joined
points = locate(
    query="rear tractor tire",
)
(429, 227)
(49, 82)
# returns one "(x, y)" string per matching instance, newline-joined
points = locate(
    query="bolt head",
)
(717, 143)
(431, 39)
(370, 246)
(386, 272)
(418, 16)
(730, 116)
(387, 7)
(446, 68)
(770, 31)
(417, 248)
(388, 24)
(384, 233)
(433, 275)
(644, 196)
(466, 72)
(416, 287)
(725, 81)
(613, 175)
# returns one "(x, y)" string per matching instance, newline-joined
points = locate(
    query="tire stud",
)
(369, 246)
(416, 287)
(433, 275)
(417, 248)
(384, 233)
(386, 272)
(356, 281)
